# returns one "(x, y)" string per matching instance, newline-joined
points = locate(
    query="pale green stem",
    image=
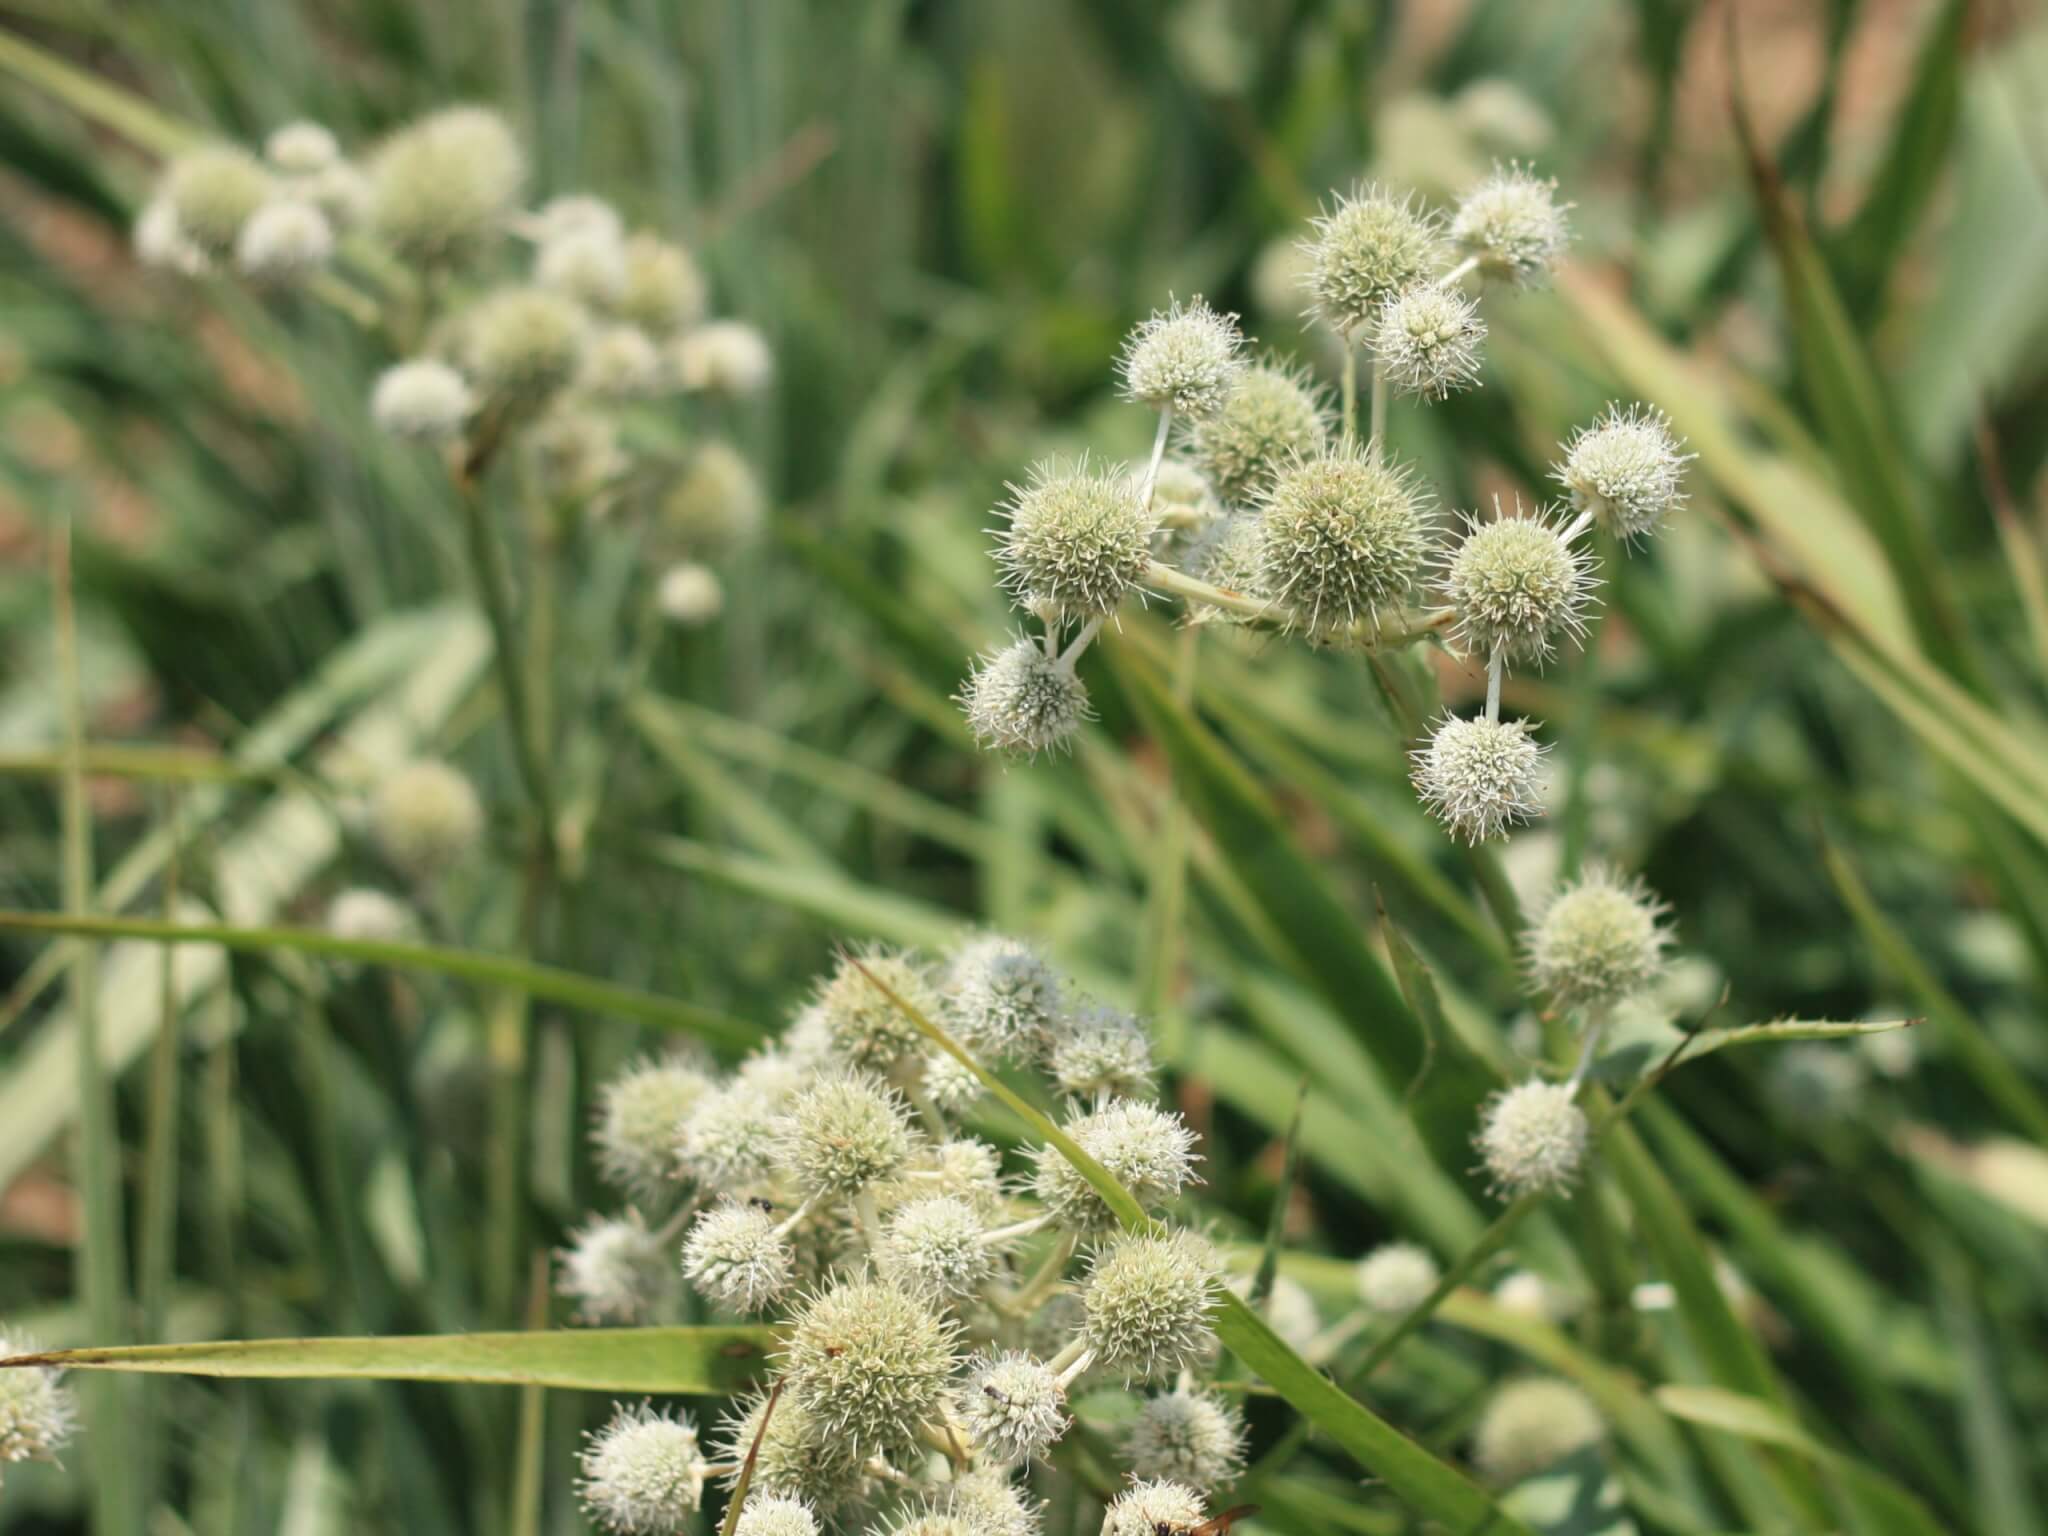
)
(1158, 456)
(1376, 443)
(1075, 1367)
(1460, 272)
(1015, 1230)
(1578, 526)
(1165, 578)
(795, 1217)
(1073, 1350)
(1043, 1280)
(1495, 666)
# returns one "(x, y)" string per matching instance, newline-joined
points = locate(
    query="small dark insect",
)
(759, 1203)
(994, 1393)
(1221, 1523)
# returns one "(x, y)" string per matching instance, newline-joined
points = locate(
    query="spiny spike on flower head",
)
(1013, 1406)
(614, 1269)
(1005, 999)
(442, 188)
(1101, 1052)
(640, 1118)
(643, 1474)
(1154, 1507)
(866, 1027)
(735, 1256)
(794, 1457)
(870, 1363)
(38, 1415)
(1150, 1151)
(1599, 939)
(1148, 1303)
(1187, 1437)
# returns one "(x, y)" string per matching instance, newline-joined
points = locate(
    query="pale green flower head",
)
(1340, 537)
(932, 1247)
(844, 1134)
(1021, 702)
(443, 188)
(1183, 359)
(1005, 999)
(798, 1458)
(423, 399)
(38, 1415)
(426, 818)
(1600, 939)
(1365, 249)
(870, 1364)
(1272, 417)
(866, 1028)
(775, 1515)
(1627, 470)
(614, 1269)
(1150, 1151)
(1428, 340)
(212, 193)
(1532, 1424)
(1517, 584)
(1479, 777)
(643, 1474)
(1533, 1139)
(1101, 1052)
(1013, 1406)
(1154, 1507)
(1076, 541)
(1187, 1437)
(663, 288)
(1396, 1277)
(1513, 223)
(1149, 1304)
(640, 1118)
(283, 241)
(521, 345)
(735, 1257)
(714, 505)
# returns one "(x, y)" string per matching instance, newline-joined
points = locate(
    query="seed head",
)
(1533, 1139)
(1272, 417)
(1339, 536)
(1148, 1304)
(870, 1363)
(948, 1084)
(866, 1027)
(1428, 338)
(586, 263)
(729, 1138)
(724, 357)
(989, 1504)
(212, 193)
(442, 188)
(1005, 1000)
(284, 240)
(715, 504)
(690, 595)
(844, 1134)
(1154, 1507)
(1532, 1424)
(1180, 487)
(640, 1117)
(774, 1515)
(1101, 1052)
(523, 344)
(932, 1248)
(1077, 542)
(1229, 552)
(643, 1474)
(1150, 1151)
(1517, 585)
(363, 912)
(1021, 702)
(1366, 249)
(1479, 776)
(798, 1458)
(1014, 1407)
(301, 149)
(620, 363)
(734, 1257)
(1514, 224)
(1187, 1437)
(967, 1168)
(1600, 939)
(664, 290)
(1184, 360)
(614, 1269)
(1627, 470)
(426, 818)
(1395, 1277)
(423, 399)
(37, 1413)
(160, 241)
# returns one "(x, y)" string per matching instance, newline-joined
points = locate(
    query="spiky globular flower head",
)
(422, 398)
(723, 357)
(735, 1257)
(1184, 360)
(1339, 536)
(586, 262)
(775, 1515)
(426, 817)
(283, 240)
(639, 1122)
(1148, 1304)
(1627, 470)
(575, 453)
(947, 1083)
(1150, 1151)
(363, 912)
(523, 344)
(1154, 1507)
(1013, 1406)
(161, 243)
(663, 289)
(1021, 702)
(576, 213)
(715, 503)
(932, 1248)
(1600, 939)
(1428, 339)
(620, 363)
(1006, 1001)
(729, 1137)
(1229, 552)
(1533, 1139)
(37, 1414)
(1182, 488)
(1479, 776)
(1076, 541)
(797, 1457)
(1272, 417)
(1288, 1308)
(968, 1168)
(1395, 1277)
(301, 148)
(643, 1474)
(442, 188)
(1367, 248)
(689, 594)
(213, 192)
(861, 1019)
(1532, 1424)
(843, 1134)
(1100, 1052)
(990, 1504)
(870, 1363)
(1517, 584)
(1187, 1437)
(614, 1269)
(1514, 224)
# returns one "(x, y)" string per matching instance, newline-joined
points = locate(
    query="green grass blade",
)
(714, 1360)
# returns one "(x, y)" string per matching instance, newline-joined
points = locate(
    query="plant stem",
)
(1165, 897)
(1158, 455)
(1376, 444)
(1350, 387)
(487, 559)
(1495, 665)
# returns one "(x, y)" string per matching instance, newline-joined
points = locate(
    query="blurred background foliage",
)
(1812, 716)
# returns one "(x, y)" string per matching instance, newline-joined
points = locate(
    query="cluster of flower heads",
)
(934, 1313)
(1273, 513)
(602, 319)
